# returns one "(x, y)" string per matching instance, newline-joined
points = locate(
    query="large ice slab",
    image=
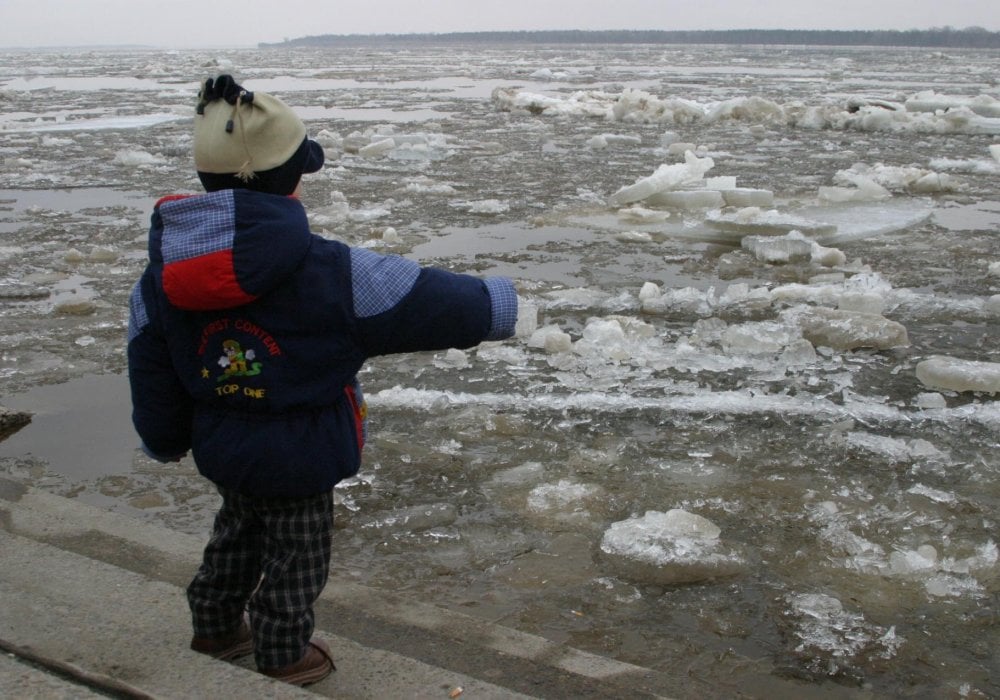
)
(754, 221)
(687, 199)
(953, 374)
(858, 220)
(929, 101)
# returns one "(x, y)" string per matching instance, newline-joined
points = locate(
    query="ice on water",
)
(833, 638)
(921, 113)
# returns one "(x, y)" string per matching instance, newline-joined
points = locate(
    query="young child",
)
(246, 334)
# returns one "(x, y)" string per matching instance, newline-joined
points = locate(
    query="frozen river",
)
(734, 439)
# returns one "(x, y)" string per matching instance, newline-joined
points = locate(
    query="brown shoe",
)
(314, 666)
(231, 646)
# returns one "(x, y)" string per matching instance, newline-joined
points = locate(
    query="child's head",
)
(250, 140)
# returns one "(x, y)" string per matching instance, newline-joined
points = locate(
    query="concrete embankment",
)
(93, 605)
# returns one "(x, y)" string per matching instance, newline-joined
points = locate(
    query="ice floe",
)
(953, 374)
(674, 547)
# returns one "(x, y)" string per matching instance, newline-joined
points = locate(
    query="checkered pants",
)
(272, 558)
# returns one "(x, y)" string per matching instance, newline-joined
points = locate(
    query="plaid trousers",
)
(270, 557)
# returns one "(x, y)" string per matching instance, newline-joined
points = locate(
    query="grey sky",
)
(188, 23)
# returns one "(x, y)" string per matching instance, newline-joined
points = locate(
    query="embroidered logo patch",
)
(241, 348)
(236, 362)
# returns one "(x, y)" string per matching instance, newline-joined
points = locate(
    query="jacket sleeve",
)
(161, 407)
(402, 307)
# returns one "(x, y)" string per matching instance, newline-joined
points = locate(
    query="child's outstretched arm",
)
(402, 307)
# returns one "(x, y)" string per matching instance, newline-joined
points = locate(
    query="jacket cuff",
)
(503, 308)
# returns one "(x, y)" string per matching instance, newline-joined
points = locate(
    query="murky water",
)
(860, 504)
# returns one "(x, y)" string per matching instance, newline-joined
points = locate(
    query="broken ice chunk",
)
(758, 338)
(377, 148)
(566, 500)
(798, 352)
(453, 358)
(650, 290)
(604, 140)
(865, 302)
(641, 215)
(827, 257)
(527, 318)
(669, 548)
(634, 237)
(831, 640)
(930, 101)
(687, 199)
(952, 374)
(930, 399)
(865, 190)
(686, 301)
(793, 247)
(772, 249)
(552, 339)
(666, 177)
(895, 178)
(681, 147)
(848, 330)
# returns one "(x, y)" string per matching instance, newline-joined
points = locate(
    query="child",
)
(246, 334)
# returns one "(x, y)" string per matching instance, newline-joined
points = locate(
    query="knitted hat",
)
(250, 140)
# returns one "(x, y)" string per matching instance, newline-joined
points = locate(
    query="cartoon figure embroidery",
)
(235, 361)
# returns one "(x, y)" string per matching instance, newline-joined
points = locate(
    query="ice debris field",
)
(752, 403)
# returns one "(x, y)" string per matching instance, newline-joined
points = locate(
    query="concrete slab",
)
(118, 625)
(23, 680)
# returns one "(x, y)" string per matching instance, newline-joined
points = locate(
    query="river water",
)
(847, 512)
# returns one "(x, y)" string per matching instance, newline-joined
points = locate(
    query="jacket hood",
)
(227, 248)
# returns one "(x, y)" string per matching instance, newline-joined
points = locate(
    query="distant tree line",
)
(938, 37)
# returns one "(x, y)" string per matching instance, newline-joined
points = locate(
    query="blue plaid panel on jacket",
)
(380, 281)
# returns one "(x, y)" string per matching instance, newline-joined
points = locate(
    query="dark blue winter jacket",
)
(247, 331)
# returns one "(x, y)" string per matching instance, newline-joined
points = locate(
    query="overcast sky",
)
(207, 23)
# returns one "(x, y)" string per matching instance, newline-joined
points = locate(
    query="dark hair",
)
(281, 180)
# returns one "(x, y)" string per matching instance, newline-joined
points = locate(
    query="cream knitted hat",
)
(243, 133)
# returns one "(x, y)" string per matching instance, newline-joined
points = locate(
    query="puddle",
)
(76, 199)
(509, 250)
(90, 83)
(16, 206)
(82, 429)
(134, 121)
(395, 116)
(561, 255)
